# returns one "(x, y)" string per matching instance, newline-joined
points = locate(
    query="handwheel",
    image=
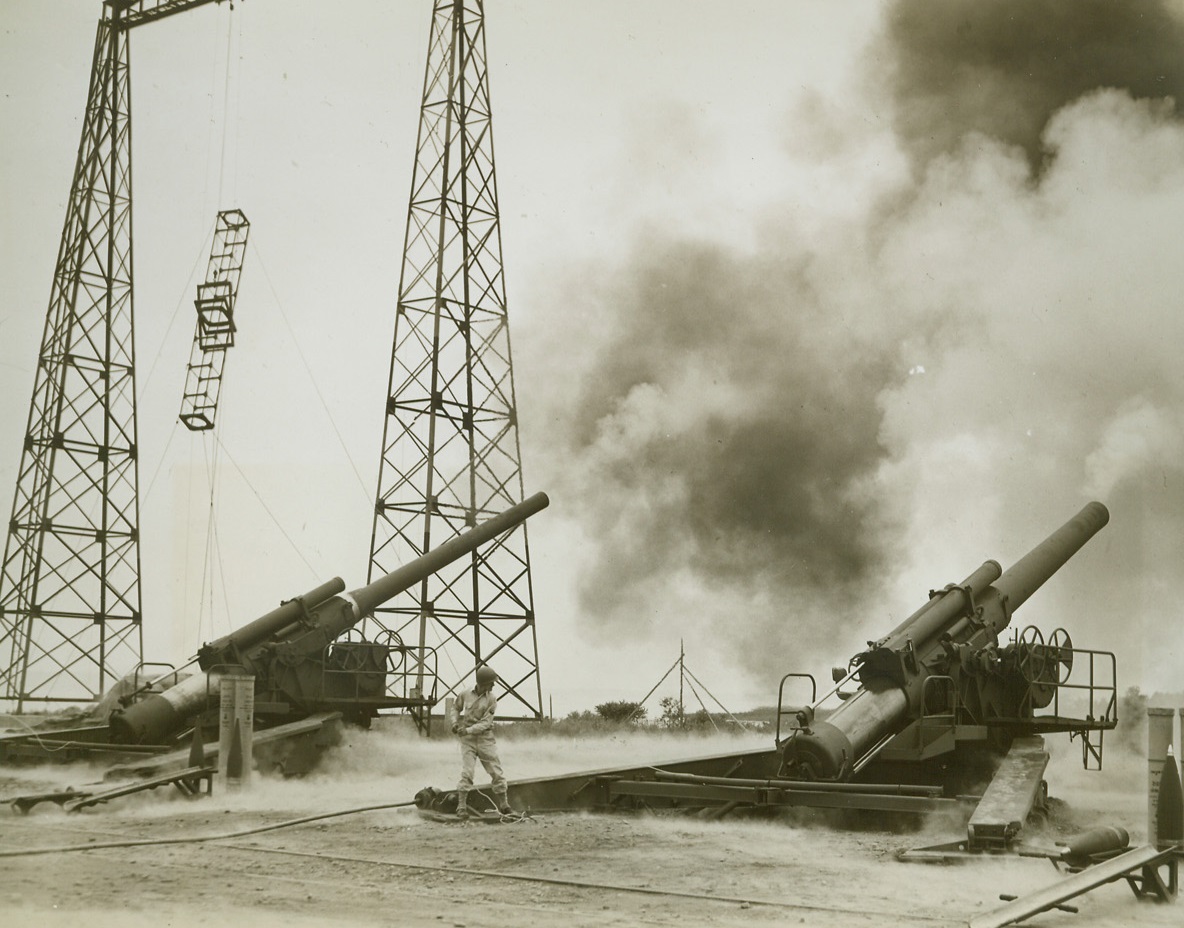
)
(1060, 645)
(1033, 654)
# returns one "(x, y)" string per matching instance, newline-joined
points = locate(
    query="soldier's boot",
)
(503, 803)
(462, 804)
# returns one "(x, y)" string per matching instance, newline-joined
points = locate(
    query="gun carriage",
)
(307, 660)
(945, 711)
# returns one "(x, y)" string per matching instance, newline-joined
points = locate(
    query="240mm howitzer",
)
(940, 711)
(291, 652)
(946, 662)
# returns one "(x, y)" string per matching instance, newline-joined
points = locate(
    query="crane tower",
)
(70, 580)
(450, 449)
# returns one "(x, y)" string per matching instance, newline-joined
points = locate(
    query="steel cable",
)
(197, 839)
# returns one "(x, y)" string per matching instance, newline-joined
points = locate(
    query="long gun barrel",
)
(300, 628)
(893, 670)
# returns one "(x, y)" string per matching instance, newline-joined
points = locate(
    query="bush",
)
(571, 725)
(621, 711)
(675, 718)
(623, 715)
(1131, 731)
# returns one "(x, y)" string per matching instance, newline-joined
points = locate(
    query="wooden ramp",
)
(189, 781)
(1010, 796)
(186, 757)
(1139, 867)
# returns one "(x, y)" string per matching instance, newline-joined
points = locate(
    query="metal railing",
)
(384, 671)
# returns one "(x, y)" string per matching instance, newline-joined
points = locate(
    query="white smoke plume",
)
(786, 444)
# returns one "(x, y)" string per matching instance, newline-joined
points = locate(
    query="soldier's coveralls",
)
(472, 720)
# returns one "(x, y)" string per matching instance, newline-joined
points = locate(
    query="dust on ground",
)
(391, 867)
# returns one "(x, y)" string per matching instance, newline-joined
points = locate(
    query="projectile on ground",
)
(1169, 818)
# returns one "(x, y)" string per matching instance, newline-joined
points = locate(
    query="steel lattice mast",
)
(70, 582)
(450, 449)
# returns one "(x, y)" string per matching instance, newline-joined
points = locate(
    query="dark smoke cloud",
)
(1003, 68)
(725, 434)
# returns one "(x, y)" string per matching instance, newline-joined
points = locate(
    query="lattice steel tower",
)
(70, 582)
(450, 449)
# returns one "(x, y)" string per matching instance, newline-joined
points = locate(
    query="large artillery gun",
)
(949, 699)
(306, 657)
(946, 676)
(945, 712)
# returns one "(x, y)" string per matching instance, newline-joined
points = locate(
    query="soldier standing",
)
(472, 722)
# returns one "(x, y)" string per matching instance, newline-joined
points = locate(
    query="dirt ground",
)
(391, 867)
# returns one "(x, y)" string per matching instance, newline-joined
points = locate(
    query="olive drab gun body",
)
(299, 664)
(945, 676)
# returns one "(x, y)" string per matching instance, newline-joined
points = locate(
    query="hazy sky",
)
(814, 307)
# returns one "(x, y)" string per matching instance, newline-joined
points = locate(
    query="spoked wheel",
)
(396, 653)
(1033, 654)
(1060, 649)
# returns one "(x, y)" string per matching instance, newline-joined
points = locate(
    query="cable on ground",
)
(197, 839)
